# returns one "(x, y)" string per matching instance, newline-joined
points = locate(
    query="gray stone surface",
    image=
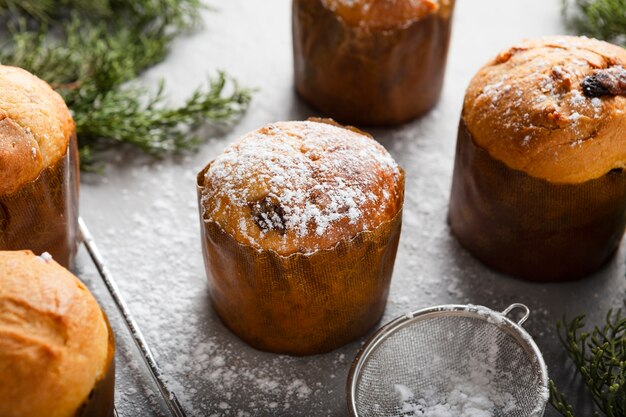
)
(143, 215)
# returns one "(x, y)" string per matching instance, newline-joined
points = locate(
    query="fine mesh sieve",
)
(450, 360)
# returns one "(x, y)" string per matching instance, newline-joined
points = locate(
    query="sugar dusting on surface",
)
(318, 176)
(472, 396)
(555, 100)
(45, 257)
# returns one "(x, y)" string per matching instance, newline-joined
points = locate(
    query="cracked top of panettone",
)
(299, 187)
(541, 107)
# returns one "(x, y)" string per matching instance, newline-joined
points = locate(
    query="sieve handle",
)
(168, 396)
(515, 306)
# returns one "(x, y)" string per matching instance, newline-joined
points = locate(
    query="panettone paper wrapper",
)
(366, 77)
(101, 400)
(303, 303)
(43, 215)
(529, 227)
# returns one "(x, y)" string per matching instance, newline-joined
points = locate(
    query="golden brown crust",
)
(527, 109)
(383, 14)
(298, 187)
(54, 339)
(35, 127)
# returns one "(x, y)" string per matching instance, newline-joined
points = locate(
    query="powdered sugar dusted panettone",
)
(298, 187)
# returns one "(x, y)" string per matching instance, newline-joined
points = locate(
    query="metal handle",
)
(168, 396)
(516, 306)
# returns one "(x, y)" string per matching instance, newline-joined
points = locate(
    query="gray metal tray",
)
(143, 215)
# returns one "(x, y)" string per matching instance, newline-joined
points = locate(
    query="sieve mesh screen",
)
(446, 358)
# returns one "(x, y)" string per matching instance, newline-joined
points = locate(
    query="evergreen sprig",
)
(599, 356)
(90, 51)
(600, 359)
(602, 19)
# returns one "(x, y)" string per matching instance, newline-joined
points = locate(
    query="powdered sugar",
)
(45, 257)
(470, 395)
(451, 361)
(545, 81)
(312, 175)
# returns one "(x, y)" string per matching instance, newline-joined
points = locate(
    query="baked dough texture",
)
(298, 187)
(527, 109)
(55, 344)
(35, 128)
(300, 226)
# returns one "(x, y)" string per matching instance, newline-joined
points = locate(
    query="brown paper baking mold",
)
(101, 400)
(43, 215)
(369, 77)
(529, 227)
(299, 304)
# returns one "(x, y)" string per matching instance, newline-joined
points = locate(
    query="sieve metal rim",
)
(468, 310)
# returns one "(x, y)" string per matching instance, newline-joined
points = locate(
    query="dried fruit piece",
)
(606, 82)
(268, 214)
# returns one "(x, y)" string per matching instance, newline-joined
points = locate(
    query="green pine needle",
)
(600, 359)
(601, 19)
(90, 51)
(119, 116)
(599, 356)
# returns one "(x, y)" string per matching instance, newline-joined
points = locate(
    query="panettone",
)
(539, 189)
(300, 224)
(56, 348)
(371, 62)
(38, 168)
